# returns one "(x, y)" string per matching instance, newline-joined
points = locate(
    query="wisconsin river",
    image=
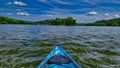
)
(91, 46)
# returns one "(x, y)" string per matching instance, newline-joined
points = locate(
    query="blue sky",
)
(83, 10)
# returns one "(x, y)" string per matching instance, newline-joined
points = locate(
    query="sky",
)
(85, 11)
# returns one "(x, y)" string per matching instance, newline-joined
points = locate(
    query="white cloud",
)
(9, 3)
(92, 13)
(116, 15)
(19, 3)
(47, 15)
(106, 14)
(23, 13)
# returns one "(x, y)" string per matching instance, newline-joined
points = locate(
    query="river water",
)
(102, 43)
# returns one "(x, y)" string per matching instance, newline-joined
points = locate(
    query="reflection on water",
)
(94, 39)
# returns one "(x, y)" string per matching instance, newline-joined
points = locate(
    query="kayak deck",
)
(58, 58)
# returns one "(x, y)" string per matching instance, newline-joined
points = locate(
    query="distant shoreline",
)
(69, 21)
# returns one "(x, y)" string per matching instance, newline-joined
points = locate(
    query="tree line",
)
(59, 21)
(7, 20)
(111, 22)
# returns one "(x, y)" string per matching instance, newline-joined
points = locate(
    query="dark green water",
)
(24, 46)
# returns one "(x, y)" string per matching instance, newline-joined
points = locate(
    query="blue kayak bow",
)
(58, 58)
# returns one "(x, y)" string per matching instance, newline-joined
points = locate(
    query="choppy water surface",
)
(92, 47)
